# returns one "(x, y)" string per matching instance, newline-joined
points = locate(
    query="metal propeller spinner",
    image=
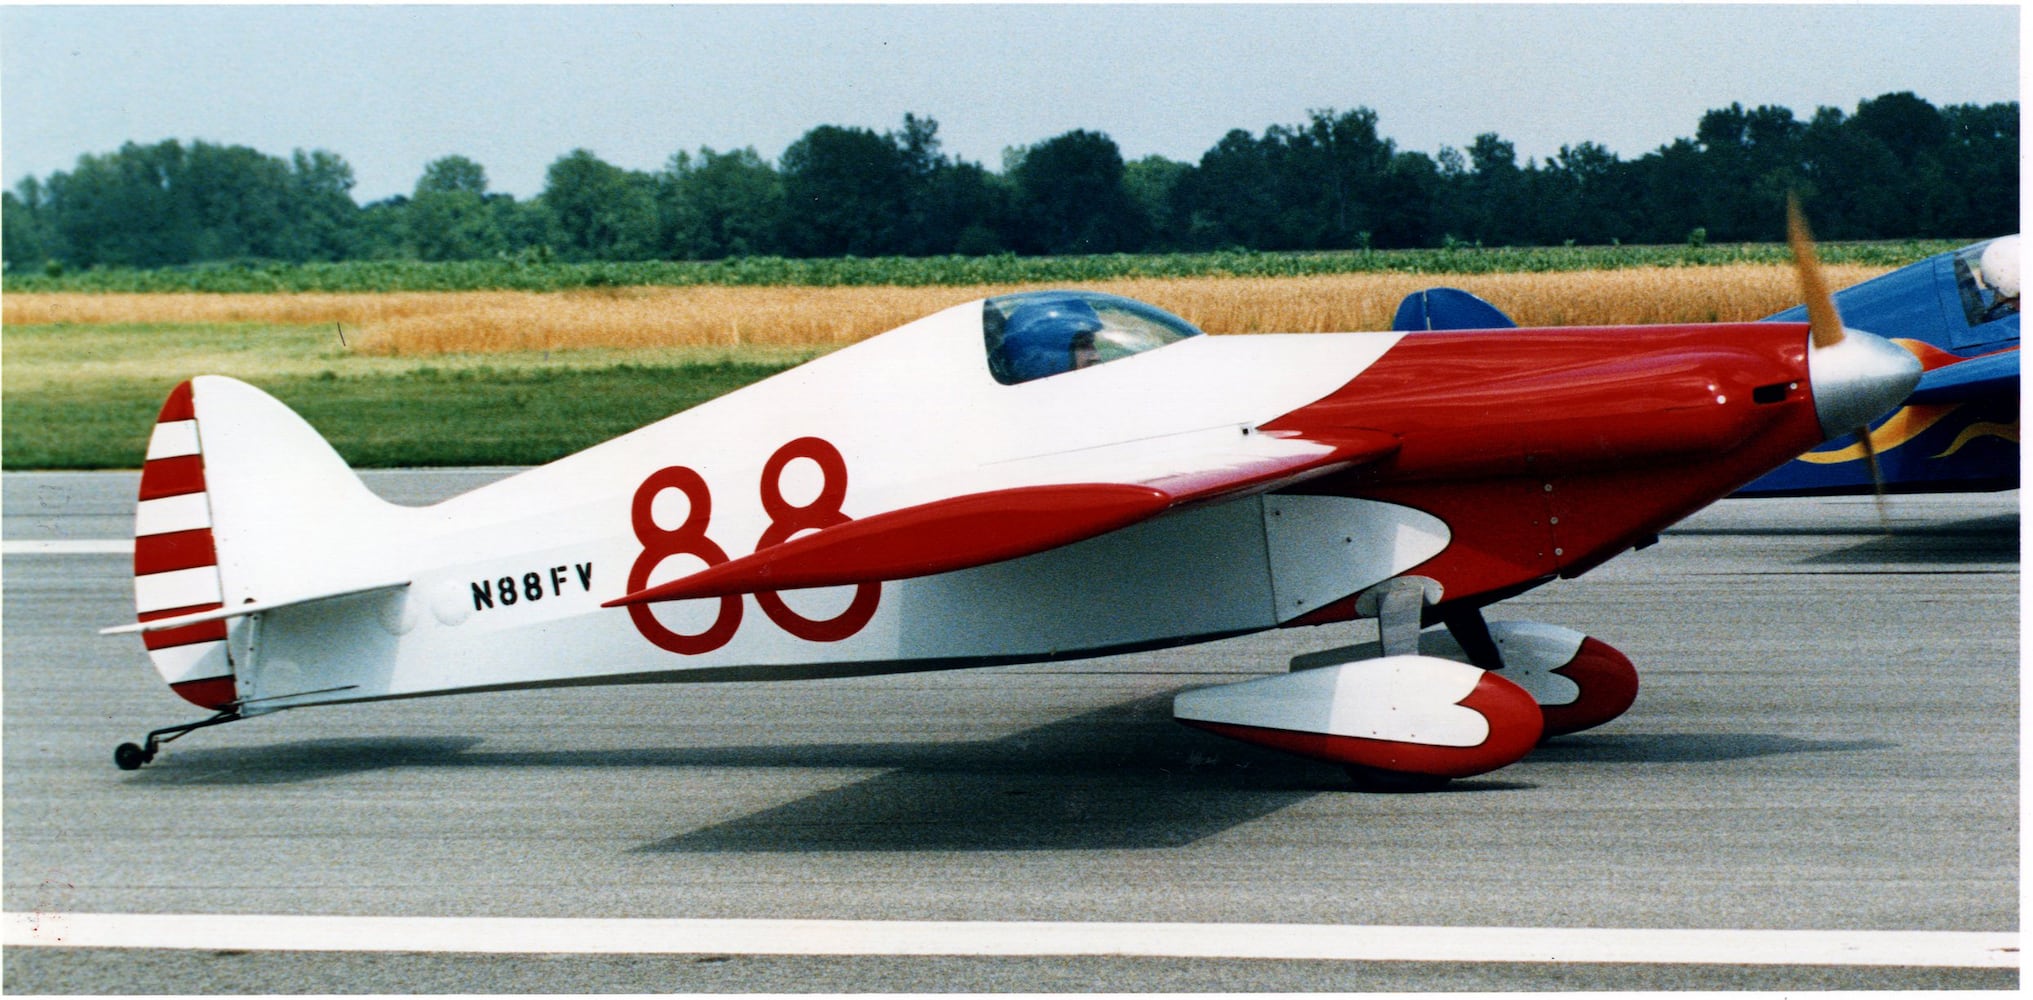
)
(1825, 329)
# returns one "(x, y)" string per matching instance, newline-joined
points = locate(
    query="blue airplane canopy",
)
(1037, 339)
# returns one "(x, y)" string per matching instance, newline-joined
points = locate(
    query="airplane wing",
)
(1047, 502)
(1979, 376)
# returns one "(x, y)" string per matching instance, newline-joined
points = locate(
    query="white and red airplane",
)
(1031, 477)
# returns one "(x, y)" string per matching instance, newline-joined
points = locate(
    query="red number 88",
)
(687, 539)
(787, 519)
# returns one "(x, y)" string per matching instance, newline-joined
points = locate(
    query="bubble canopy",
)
(1034, 335)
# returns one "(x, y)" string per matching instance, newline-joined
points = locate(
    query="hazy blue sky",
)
(392, 87)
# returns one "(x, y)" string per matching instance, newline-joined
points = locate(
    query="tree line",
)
(1898, 167)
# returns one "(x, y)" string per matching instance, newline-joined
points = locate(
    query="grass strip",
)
(426, 416)
(519, 274)
(85, 396)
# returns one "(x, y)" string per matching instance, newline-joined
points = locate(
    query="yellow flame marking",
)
(1898, 429)
(1983, 428)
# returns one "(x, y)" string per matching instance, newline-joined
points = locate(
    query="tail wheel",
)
(129, 757)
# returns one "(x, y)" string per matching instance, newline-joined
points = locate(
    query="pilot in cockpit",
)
(1050, 336)
(1999, 266)
(1034, 335)
(1085, 354)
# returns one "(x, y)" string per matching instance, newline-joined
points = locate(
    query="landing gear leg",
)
(128, 757)
(1399, 605)
(1469, 629)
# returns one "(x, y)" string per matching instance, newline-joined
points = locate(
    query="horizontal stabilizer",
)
(991, 526)
(1964, 380)
(238, 610)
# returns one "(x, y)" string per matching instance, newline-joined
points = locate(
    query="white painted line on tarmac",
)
(67, 547)
(1292, 942)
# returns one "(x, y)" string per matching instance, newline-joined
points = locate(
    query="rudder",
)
(241, 501)
(176, 563)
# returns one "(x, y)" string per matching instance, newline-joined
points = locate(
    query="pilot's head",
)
(1040, 337)
(1085, 354)
(2000, 266)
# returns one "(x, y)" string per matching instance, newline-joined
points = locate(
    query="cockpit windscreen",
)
(1987, 276)
(1032, 335)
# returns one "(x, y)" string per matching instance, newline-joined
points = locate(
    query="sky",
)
(515, 87)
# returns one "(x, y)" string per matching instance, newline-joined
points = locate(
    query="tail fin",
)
(242, 504)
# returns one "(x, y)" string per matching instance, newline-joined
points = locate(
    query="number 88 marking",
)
(687, 539)
(786, 519)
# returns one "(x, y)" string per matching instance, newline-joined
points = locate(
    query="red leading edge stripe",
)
(937, 537)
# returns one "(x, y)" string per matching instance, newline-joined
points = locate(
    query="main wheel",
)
(1373, 779)
(128, 757)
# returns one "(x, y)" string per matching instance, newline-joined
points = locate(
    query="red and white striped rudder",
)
(176, 561)
(243, 507)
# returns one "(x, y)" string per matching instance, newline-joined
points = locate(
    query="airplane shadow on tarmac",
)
(1122, 777)
(1686, 748)
(299, 761)
(1077, 796)
(1974, 541)
(1119, 778)
(1971, 541)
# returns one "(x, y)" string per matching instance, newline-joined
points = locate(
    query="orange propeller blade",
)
(1823, 322)
(1877, 477)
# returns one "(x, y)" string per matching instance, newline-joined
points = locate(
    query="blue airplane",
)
(1958, 312)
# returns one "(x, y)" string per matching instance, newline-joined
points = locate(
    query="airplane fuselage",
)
(1525, 455)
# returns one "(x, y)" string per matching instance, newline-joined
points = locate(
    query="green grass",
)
(401, 276)
(86, 397)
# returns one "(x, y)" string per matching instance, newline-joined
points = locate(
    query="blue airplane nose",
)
(1857, 379)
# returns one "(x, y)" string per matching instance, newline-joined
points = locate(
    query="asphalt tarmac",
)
(1826, 739)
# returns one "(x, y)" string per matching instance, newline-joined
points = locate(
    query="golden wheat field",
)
(425, 323)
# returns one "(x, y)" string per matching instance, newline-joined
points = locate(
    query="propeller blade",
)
(1824, 326)
(1877, 476)
(1823, 322)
